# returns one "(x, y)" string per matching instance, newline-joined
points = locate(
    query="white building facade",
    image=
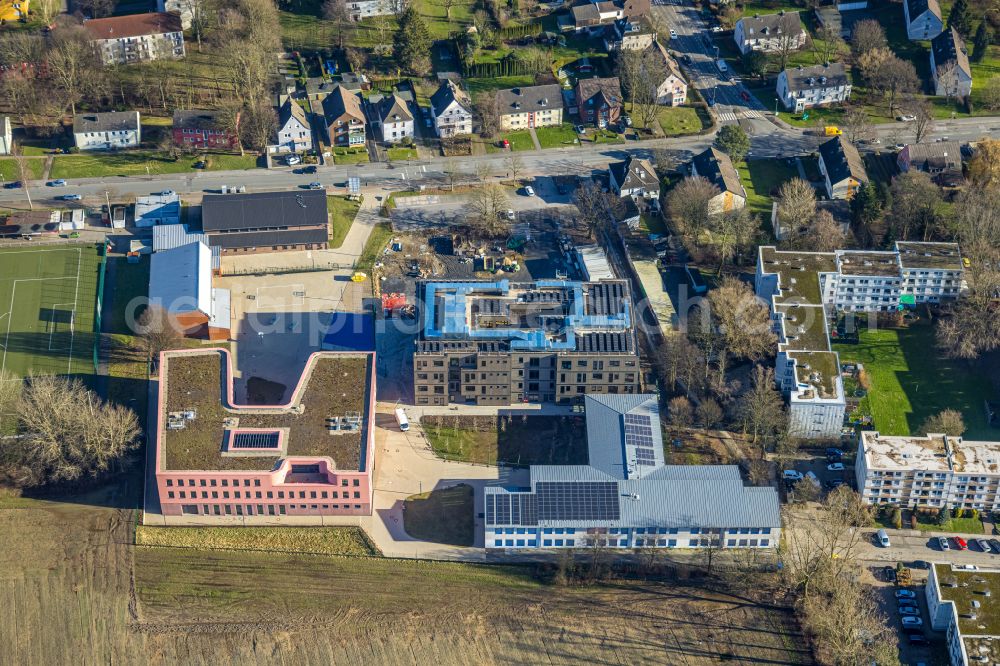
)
(113, 130)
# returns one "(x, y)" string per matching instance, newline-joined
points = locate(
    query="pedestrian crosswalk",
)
(725, 116)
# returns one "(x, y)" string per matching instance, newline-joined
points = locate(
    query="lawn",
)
(442, 516)
(131, 282)
(349, 156)
(228, 161)
(401, 153)
(679, 120)
(342, 213)
(599, 136)
(380, 236)
(317, 540)
(926, 522)
(557, 136)
(50, 297)
(909, 382)
(477, 86)
(761, 178)
(519, 140)
(520, 440)
(132, 163)
(653, 224)
(9, 169)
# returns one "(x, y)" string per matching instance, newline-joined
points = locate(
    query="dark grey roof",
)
(447, 93)
(610, 88)
(198, 119)
(291, 109)
(634, 173)
(319, 86)
(529, 98)
(842, 160)
(935, 156)
(606, 445)
(393, 109)
(949, 52)
(263, 211)
(269, 238)
(112, 121)
(716, 167)
(918, 7)
(830, 75)
(771, 25)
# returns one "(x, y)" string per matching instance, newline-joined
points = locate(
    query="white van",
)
(883, 538)
(401, 419)
(721, 64)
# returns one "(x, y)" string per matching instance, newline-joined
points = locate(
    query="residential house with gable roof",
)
(600, 101)
(294, 132)
(950, 67)
(923, 19)
(634, 177)
(672, 90)
(451, 110)
(717, 168)
(842, 168)
(769, 33)
(201, 128)
(801, 88)
(344, 118)
(392, 118)
(530, 106)
(112, 130)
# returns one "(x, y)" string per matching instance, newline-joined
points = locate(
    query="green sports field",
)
(47, 300)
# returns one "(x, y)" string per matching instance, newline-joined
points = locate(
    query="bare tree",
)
(489, 204)
(515, 166)
(592, 204)
(447, 4)
(484, 171)
(856, 124)
(72, 64)
(990, 94)
(258, 124)
(760, 409)
(488, 106)
(971, 327)
(732, 231)
(337, 13)
(355, 59)
(830, 44)
(96, 8)
(709, 413)
(681, 413)
(796, 205)
(743, 322)
(641, 73)
(923, 125)
(892, 78)
(984, 167)
(915, 201)
(867, 35)
(947, 422)
(24, 173)
(66, 432)
(451, 172)
(823, 234)
(10, 395)
(158, 331)
(787, 44)
(688, 205)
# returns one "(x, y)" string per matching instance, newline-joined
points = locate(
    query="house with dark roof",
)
(266, 221)
(530, 106)
(200, 128)
(942, 160)
(107, 131)
(626, 34)
(344, 118)
(923, 19)
(842, 168)
(592, 17)
(717, 168)
(628, 497)
(121, 40)
(950, 67)
(317, 88)
(800, 88)
(634, 177)
(391, 118)
(451, 110)
(294, 131)
(770, 33)
(600, 101)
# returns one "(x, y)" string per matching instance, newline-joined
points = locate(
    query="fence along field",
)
(47, 305)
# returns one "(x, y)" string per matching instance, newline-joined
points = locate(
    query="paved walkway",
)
(534, 138)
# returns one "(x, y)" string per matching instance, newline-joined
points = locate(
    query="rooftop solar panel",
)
(577, 500)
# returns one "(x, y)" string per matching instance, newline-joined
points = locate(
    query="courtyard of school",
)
(908, 382)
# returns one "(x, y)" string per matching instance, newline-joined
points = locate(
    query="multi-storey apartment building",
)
(121, 40)
(627, 497)
(111, 130)
(770, 33)
(800, 88)
(310, 457)
(451, 110)
(930, 471)
(960, 603)
(803, 287)
(531, 106)
(498, 343)
(199, 128)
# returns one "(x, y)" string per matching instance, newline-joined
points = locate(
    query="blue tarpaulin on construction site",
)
(349, 331)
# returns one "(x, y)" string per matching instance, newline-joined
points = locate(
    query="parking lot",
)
(930, 647)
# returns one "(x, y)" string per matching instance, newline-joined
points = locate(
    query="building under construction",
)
(498, 343)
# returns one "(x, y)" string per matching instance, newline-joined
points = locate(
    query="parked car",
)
(505, 144)
(835, 467)
(309, 169)
(995, 544)
(580, 129)
(293, 159)
(916, 639)
(907, 603)
(529, 190)
(960, 543)
(906, 118)
(832, 451)
(905, 594)
(200, 164)
(791, 475)
(166, 193)
(983, 544)
(58, 182)
(920, 564)
(943, 544)
(890, 574)
(509, 214)
(71, 197)
(716, 28)
(315, 185)
(910, 621)
(908, 611)
(12, 185)
(835, 483)
(721, 64)
(673, 34)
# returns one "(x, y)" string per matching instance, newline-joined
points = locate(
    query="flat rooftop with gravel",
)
(329, 387)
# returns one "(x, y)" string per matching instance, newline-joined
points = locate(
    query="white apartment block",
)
(931, 471)
(121, 40)
(802, 288)
(960, 603)
(801, 88)
(365, 8)
(112, 130)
